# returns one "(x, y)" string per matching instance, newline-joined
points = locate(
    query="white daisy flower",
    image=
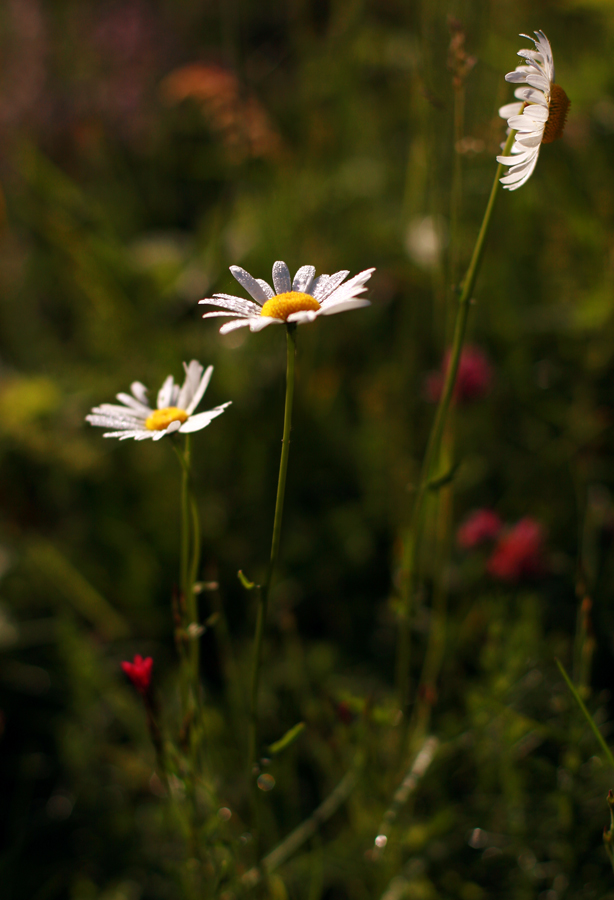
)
(539, 117)
(175, 408)
(297, 300)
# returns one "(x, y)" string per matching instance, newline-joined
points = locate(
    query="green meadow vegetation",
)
(434, 705)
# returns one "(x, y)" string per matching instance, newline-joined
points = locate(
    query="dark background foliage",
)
(145, 147)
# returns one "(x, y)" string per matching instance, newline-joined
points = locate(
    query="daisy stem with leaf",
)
(279, 506)
(409, 563)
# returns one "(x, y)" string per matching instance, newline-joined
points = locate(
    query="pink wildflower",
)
(472, 382)
(519, 553)
(139, 673)
(479, 526)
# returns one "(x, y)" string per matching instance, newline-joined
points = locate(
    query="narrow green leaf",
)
(587, 715)
(288, 738)
(247, 584)
(436, 483)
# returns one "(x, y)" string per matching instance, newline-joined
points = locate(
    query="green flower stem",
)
(431, 456)
(188, 574)
(190, 556)
(184, 460)
(279, 507)
(587, 715)
(190, 640)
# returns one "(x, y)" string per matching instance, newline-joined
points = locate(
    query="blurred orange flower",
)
(231, 110)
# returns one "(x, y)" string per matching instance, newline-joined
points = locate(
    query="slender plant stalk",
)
(418, 768)
(431, 456)
(435, 648)
(279, 508)
(306, 830)
(189, 562)
(587, 715)
(457, 182)
(188, 609)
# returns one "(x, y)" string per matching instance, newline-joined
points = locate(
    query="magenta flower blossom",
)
(479, 527)
(519, 554)
(473, 381)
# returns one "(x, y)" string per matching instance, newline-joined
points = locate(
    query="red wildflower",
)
(473, 380)
(479, 526)
(139, 673)
(519, 552)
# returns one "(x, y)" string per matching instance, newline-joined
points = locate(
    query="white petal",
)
(516, 185)
(281, 277)
(531, 96)
(318, 284)
(545, 50)
(529, 140)
(249, 283)
(236, 323)
(330, 285)
(303, 316)
(522, 123)
(517, 76)
(226, 312)
(262, 322)
(193, 373)
(531, 55)
(134, 404)
(538, 81)
(516, 160)
(237, 304)
(516, 177)
(123, 412)
(350, 289)
(344, 306)
(112, 422)
(165, 394)
(200, 390)
(517, 170)
(201, 420)
(537, 113)
(303, 279)
(122, 435)
(510, 109)
(140, 392)
(266, 287)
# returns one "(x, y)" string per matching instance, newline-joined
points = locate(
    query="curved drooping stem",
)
(431, 456)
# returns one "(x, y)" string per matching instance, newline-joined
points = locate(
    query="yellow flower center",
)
(557, 114)
(162, 418)
(283, 305)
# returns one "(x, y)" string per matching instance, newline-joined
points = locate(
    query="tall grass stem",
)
(587, 715)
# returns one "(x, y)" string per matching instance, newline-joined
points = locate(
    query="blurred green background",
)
(144, 148)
